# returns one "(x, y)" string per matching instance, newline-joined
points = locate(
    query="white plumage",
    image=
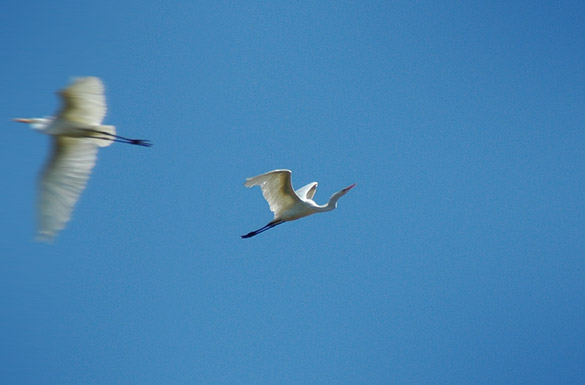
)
(77, 132)
(286, 203)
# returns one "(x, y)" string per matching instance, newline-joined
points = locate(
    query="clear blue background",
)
(459, 258)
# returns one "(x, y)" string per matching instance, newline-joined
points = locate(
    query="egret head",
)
(21, 120)
(345, 190)
(35, 123)
(341, 193)
(333, 200)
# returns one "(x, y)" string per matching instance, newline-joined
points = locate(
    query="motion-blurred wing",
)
(84, 102)
(62, 182)
(276, 188)
(308, 191)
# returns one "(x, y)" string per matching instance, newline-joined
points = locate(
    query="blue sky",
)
(458, 258)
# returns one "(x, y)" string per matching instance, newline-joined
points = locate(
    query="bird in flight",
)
(76, 132)
(286, 203)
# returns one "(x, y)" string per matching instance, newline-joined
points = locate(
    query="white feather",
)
(62, 181)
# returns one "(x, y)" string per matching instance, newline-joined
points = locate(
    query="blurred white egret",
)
(77, 133)
(286, 203)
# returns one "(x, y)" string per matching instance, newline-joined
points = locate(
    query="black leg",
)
(138, 142)
(122, 139)
(262, 229)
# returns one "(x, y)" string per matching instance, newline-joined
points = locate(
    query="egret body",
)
(286, 203)
(77, 133)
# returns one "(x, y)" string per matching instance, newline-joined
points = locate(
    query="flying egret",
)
(77, 132)
(286, 203)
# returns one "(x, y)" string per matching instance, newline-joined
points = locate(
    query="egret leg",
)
(122, 139)
(262, 229)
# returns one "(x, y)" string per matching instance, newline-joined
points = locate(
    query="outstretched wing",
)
(277, 190)
(308, 191)
(62, 181)
(84, 102)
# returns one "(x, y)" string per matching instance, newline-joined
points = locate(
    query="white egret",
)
(77, 132)
(286, 203)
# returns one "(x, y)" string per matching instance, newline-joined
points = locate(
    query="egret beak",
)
(20, 120)
(349, 188)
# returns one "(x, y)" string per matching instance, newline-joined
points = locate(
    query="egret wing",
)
(84, 102)
(307, 191)
(62, 181)
(277, 190)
